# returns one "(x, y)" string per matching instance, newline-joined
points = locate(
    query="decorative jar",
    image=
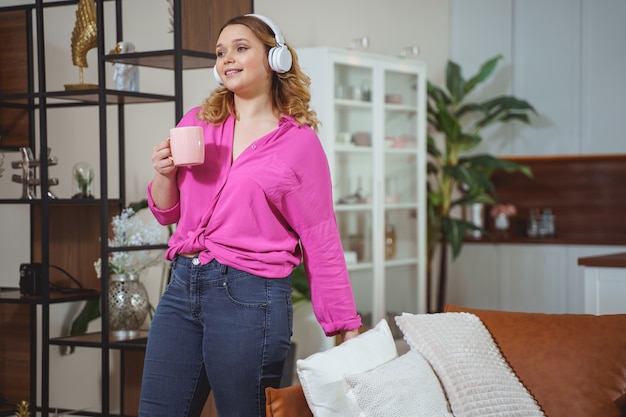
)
(128, 303)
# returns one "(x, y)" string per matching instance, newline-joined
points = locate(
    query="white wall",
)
(564, 56)
(390, 25)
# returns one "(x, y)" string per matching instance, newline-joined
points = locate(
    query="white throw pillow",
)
(404, 387)
(321, 374)
(477, 379)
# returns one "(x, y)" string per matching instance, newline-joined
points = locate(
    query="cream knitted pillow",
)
(477, 380)
(404, 387)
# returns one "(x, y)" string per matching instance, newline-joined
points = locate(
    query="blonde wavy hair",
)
(290, 90)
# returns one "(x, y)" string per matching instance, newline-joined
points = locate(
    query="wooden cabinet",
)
(68, 233)
(372, 109)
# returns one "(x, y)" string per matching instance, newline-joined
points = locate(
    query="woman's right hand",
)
(162, 158)
(164, 190)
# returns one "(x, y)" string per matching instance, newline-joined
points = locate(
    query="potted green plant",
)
(300, 290)
(456, 178)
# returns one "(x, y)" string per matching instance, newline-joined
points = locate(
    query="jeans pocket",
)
(246, 290)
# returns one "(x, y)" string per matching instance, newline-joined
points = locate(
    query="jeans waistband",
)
(190, 262)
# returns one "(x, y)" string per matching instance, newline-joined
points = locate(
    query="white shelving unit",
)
(373, 113)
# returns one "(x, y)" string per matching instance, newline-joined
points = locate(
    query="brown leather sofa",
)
(574, 365)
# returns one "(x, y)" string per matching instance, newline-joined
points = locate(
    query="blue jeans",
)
(215, 329)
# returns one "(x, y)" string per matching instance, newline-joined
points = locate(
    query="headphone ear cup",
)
(280, 59)
(217, 75)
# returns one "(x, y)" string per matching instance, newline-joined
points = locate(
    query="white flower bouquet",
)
(130, 230)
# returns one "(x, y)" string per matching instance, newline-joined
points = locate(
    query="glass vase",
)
(82, 175)
(128, 303)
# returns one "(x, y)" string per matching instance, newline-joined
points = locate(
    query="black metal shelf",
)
(13, 296)
(38, 100)
(133, 341)
(165, 59)
(60, 201)
(87, 97)
(92, 97)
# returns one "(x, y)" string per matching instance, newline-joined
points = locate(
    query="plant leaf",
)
(432, 148)
(432, 168)
(469, 108)
(300, 284)
(468, 142)
(488, 164)
(468, 199)
(90, 311)
(454, 231)
(485, 72)
(449, 124)
(505, 108)
(475, 180)
(509, 103)
(437, 94)
(455, 82)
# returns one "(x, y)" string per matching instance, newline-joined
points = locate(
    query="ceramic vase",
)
(501, 222)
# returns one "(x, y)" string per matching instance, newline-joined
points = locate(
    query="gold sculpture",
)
(84, 38)
(22, 409)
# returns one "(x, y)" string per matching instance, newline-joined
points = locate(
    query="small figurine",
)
(22, 409)
(125, 76)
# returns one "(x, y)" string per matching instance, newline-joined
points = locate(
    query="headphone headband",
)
(279, 57)
(277, 34)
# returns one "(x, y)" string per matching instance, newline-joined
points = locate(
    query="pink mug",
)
(187, 145)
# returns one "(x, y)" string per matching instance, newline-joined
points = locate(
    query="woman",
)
(259, 204)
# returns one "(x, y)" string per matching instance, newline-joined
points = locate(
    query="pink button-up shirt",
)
(252, 214)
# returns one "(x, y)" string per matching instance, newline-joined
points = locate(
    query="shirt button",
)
(195, 261)
(253, 146)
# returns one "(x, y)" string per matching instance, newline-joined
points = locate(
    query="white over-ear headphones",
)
(279, 57)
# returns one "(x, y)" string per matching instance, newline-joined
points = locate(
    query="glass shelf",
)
(352, 103)
(360, 266)
(353, 149)
(353, 207)
(400, 262)
(400, 108)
